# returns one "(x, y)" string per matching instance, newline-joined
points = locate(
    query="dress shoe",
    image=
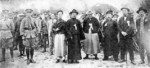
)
(86, 58)
(32, 61)
(121, 61)
(142, 62)
(57, 61)
(96, 58)
(132, 62)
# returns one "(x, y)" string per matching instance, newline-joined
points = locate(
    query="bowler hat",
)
(125, 8)
(74, 11)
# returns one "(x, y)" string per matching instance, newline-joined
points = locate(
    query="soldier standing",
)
(6, 37)
(28, 30)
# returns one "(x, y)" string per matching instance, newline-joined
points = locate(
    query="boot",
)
(96, 57)
(142, 62)
(28, 59)
(121, 61)
(86, 57)
(70, 61)
(132, 62)
(32, 61)
(75, 61)
(3, 55)
(32, 54)
(57, 61)
(12, 54)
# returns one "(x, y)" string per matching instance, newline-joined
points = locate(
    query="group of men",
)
(66, 39)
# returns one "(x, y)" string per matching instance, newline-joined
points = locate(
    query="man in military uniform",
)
(126, 30)
(6, 35)
(28, 30)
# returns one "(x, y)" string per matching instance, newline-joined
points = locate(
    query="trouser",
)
(126, 45)
(45, 40)
(4, 52)
(21, 46)
(30, 45)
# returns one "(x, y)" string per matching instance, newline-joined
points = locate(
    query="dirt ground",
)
(44, 60)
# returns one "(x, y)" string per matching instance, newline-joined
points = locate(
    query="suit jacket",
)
(126, 24)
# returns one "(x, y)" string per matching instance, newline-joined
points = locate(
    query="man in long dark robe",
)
(110, 32)
(126, 30)
(75, 36)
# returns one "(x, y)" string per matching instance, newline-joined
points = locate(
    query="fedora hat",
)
(142, 9)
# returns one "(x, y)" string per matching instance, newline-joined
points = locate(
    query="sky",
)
(67, 5)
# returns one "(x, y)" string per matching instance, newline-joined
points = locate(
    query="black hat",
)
(125, 8)
(109, 12)
(142, 9)
(74, 11)
(29, 10)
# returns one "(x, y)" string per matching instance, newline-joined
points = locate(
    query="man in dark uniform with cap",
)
(28, 30)
(76, 34)
(126, 31)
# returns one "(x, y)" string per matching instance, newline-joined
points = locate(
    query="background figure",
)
(44, 31)
(15, 19)
(50, 33)
(141, 24)
(6, 37)
(76, 34)
(18, 37)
